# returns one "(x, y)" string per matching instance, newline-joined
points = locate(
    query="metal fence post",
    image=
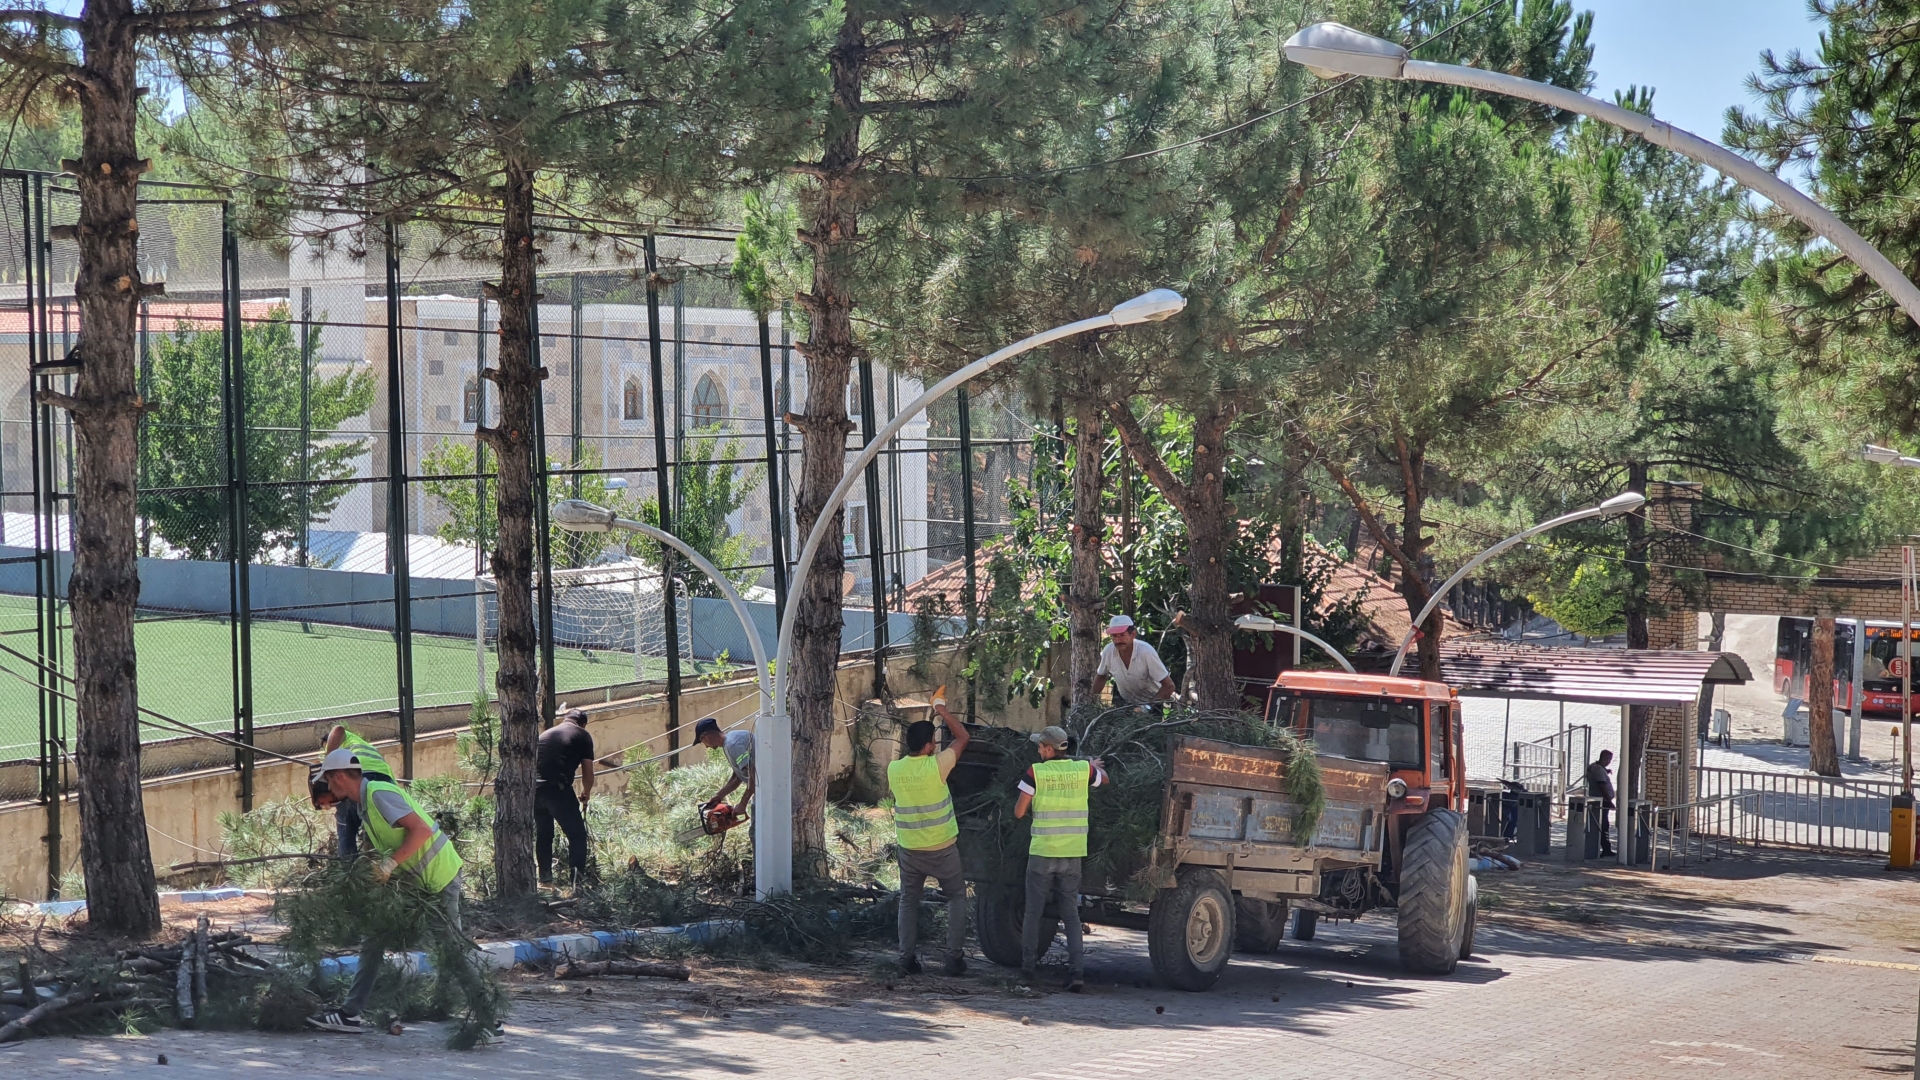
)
(543, 532)
(786, 432)
(663, 497)
(480, 496)
(397, 554)
(774, 523)
(33, 195)
(876, 548)
(239, 553)
(305, 556)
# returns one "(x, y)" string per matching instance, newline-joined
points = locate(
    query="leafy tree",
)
(1591, 603)
(183, 457)
(469, 523)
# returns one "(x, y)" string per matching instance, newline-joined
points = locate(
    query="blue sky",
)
(1696, 54)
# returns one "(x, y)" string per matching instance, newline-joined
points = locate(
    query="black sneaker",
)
(345, 1023)
(1076, 983)
(955, 965)
(910, 965)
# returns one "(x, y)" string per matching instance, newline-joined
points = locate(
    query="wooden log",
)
(200, 963)
(42, 1011)
(580, 969)
(183, 992)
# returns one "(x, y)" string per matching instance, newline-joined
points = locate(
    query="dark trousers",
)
(346, 824)
(1059, 878)
(553, 804)
(943, 866)
(1606, 842)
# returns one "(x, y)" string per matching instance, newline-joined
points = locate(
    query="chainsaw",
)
(714, 820)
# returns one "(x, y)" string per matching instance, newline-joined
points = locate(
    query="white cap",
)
(339, 761)
(1119, 622)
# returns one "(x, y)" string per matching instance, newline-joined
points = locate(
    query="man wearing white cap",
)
(1139, 678)
(404, 839)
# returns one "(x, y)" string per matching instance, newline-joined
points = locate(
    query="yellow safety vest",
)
(922, 805)
(369, 758)
(436, 865)
(1060, 809)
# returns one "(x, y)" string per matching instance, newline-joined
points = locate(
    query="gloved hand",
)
(940, 695)
(383, 869)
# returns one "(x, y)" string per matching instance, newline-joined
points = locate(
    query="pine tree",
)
(96, 57)
(461, 115)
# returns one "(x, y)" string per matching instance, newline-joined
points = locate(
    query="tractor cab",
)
(1410, 724)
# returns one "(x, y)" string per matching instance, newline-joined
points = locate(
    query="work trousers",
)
(1060, 879)
(556, 804)
(346, 825)
(373, 957)
(943, 865)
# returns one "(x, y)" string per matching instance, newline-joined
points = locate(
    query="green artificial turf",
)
(186, 672)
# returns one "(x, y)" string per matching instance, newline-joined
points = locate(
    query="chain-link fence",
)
(315, 502)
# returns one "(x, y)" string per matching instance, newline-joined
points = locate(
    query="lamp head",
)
(1256, 623)
(1624, 502)
(1879, 455)
(579, 515)
(1159, 305)
(1331, 50)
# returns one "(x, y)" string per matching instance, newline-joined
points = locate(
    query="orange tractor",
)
(1227, 869)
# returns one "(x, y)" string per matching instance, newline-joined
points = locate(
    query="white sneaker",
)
(492, 1036)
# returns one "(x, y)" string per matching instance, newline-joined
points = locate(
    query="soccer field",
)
(186, 672)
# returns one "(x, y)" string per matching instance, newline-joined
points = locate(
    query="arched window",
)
(470, 402)
(709, 401)
(633, 404)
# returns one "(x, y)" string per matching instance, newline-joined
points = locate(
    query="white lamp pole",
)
(773, 857)
(1262, 624)
(1329, 50)
(1619, 504)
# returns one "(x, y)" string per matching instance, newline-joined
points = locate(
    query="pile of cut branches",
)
(1134, 744)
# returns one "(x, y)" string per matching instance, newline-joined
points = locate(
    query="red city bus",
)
(1793, 648)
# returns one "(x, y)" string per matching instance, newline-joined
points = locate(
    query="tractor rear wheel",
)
(997, 914)
(1190, 930)
(1258, 925)
(1433, 892)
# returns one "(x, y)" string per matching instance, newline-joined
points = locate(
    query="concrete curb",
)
(64, 908)
(502, 955)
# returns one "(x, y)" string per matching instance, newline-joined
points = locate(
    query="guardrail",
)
(1705, 829)
(1817, 813)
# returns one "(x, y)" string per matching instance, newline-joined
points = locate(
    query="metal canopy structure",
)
(1596, 676)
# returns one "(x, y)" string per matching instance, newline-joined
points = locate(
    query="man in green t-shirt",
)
(346, 813)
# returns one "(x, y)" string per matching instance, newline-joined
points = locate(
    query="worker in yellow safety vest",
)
(1055, 789)
(346, 813)
(403, 838)
(924, 828)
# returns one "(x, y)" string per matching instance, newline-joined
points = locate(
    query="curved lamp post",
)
(579, 515)
(773, 735)
(1619, 504)
(1330, 50)
(1264, 625)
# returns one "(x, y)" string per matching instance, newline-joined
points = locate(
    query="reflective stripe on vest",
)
(436, 865)
(1060, 809)
(922, 805)
(369, 758)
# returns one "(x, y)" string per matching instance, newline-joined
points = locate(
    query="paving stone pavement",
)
(1527, 1005)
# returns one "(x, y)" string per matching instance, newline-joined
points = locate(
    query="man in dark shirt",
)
(1600, 786)
(564, 747)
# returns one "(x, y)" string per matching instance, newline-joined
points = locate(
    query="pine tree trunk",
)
(831, 231)
(1826, 759)
(1415, 583)
(1085, 605)
(121, 893)
(517, 681)
(1210, 531)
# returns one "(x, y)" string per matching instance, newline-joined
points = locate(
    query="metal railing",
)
(1817, 813)
(1553, 765)
(1705, 829)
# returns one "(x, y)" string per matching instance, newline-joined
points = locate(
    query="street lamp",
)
(1622, 503)
(1331, 50)
(773, 852)
(579, 515)
(1263, 624)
